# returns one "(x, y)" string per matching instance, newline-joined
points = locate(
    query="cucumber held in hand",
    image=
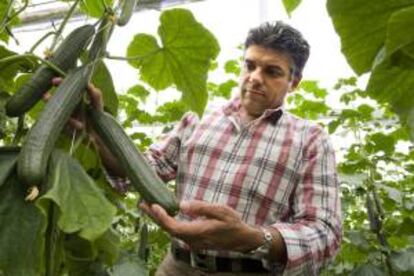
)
(64, 58)
(40, 141)
(142, 176)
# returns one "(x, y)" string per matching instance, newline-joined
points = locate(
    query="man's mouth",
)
(255, 92)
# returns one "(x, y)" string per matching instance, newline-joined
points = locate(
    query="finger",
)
(76, 124)
(144, 207)
(56, 81)
(209, 210)
(46, 96)
(95, 96)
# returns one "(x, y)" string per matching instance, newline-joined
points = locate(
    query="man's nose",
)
(256, 75)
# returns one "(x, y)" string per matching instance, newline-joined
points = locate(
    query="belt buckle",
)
(203, 262)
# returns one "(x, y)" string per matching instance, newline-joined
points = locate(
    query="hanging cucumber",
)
(40, 141)
(127, 10)
(64, 58)
(142, 176)
(101, 38)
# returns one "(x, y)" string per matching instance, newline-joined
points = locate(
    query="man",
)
(258, 186)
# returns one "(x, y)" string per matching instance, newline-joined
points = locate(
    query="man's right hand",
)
(78, 123)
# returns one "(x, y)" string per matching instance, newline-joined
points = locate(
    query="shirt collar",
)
(271, 114)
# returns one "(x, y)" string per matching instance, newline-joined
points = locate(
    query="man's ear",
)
(294, 82)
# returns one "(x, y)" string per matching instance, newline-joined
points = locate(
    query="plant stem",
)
(26, 3)
(33, 48)
(48, 63)
(124, 58)
(5, 20)
(63, 24)
(19, 131)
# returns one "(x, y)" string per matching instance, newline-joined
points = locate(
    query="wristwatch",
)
(263, 250)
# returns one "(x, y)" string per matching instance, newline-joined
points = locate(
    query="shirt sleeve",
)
(164, 154)
(313, 234)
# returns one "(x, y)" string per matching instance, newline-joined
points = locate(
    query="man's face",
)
(265, 80)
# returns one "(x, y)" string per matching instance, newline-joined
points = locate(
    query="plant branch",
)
(63, 24)
(26, 3)
(33, 48)
(6, 18)
(125, 58)
(19, 131)
(48, 63)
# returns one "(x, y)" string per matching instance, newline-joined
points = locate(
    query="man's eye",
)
(274, 72)
(249, 66)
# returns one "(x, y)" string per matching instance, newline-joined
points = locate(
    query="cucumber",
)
(127, 10)
(143, 178)
(100, 41)
(40, 141)
(64, 58)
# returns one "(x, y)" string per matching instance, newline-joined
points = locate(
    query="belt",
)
(217, 264)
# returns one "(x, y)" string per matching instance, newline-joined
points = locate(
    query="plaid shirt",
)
(277, 171)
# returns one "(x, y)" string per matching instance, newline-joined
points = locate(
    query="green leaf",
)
(130, 265)
(354, 180)
(399, 33)
(368, 270)
(22, 230)
(81, 257)
(4, 36)
(108, 246)
(232, 67)
(393, 193)
(291, 5)
(171, 111)
(183, 59)
(9, 70)
(139, 92)
(103, 80)
(404, 261)
(313, 88)
(392, 83)
(4, 96)
(333, 125)
(83, 206)
(224, 89)
(365, 111)
(381, 142)
(95, 8)
(362, 27)
(8, 158)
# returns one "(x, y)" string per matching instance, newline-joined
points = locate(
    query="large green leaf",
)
(362, 27)
(83, 206)
(400, 32)
(393, 83)
(103, 80)
(8, 158)
(291, 5)
(8, 70)
(183, 59)
(22, 229)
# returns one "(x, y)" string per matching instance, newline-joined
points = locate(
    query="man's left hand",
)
(213, 226)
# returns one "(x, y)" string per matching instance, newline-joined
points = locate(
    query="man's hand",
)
(77, 123)
(214, 226)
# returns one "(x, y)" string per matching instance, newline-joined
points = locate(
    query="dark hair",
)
(283, 38)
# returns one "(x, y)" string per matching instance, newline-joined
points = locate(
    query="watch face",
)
(268, 236)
